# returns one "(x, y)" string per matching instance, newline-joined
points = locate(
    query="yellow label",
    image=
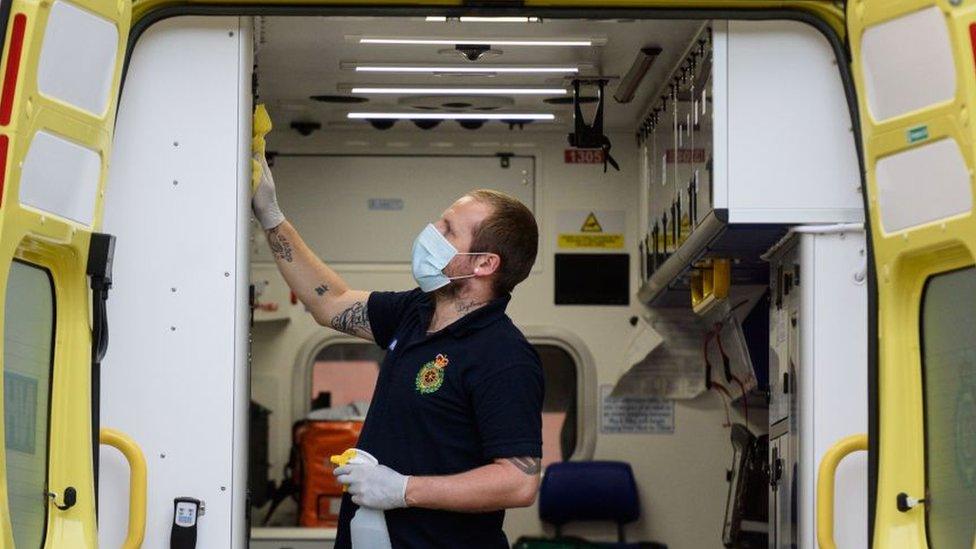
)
(606, 241)
(591, 225)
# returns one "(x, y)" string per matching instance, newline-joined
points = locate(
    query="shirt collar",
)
(475, 320)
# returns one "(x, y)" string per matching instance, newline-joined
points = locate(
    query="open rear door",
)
(916, 80)
(59, 81)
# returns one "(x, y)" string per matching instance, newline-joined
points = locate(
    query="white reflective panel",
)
(907, 63)
(60, 177)
(78, 58)
(921, 185)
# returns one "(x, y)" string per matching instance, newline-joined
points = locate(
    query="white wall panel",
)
(375, 193)
(174, 377)
(60, 177)
(907, 63)
(78, 56)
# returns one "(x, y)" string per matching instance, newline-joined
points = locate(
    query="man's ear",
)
(487, 264)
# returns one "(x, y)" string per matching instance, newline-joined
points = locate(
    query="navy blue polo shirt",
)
(446, 403)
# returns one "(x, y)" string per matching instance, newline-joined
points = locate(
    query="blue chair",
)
(590, 491)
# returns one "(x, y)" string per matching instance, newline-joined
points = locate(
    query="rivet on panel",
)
(172, 328)
(942, 226)
(223, 488)
(173, 289)
(955, 2)
(231, 33)
(904, 236)
(226, 274)
(162, 456)
(176, 143)
(175, 182)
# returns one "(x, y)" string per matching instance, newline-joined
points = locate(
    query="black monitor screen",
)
(592, 279)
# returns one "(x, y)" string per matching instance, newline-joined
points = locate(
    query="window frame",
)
(586, 380)
(52, 379)
(926, 286)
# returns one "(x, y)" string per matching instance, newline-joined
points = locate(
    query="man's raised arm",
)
(326, 296)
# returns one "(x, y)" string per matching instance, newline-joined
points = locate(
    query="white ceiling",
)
(298, 57)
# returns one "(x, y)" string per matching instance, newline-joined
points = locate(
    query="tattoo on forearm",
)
(354, 320)
(321, 289)
(463, 307)
(528, 465)
(280, 247)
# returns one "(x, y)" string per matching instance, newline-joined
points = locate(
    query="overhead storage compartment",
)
(722, 175)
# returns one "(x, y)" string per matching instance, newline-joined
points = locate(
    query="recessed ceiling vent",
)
(340, 99)
(457, 103)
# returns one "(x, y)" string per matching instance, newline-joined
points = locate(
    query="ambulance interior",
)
(698, 300)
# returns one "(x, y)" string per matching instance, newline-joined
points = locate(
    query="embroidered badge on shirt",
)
(431, 375)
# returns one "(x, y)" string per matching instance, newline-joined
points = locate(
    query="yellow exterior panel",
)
(905, 259)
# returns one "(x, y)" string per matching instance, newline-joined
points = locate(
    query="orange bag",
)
(321, 495)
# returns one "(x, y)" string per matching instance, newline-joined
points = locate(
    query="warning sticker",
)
(597, 229)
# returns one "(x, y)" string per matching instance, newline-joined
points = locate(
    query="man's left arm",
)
(506, 483)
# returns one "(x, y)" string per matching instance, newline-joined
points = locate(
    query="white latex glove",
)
(373, 486)
(264, 203)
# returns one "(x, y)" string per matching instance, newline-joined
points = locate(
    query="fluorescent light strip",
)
(461, 91)
(446, 116)
(467, 19)
(477, 42)
(455, 69)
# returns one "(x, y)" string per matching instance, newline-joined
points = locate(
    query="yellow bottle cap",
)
(344, 457)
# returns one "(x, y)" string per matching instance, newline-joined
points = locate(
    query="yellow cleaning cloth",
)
(259, 128)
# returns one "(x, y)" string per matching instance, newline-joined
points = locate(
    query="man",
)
(456, 417)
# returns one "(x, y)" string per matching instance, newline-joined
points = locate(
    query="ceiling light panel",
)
(448, 116)
(546, 42)
(391, 90)
(467, 19)
(459, 69)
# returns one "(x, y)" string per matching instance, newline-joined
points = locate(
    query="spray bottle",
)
(368, 526)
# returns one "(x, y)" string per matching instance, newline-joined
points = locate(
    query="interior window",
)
(949, 370)
(27, 361)
(345, 373)
(559, 407)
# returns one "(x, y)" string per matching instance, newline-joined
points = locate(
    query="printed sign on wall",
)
(596, 229)
(635, 414)
(583, 156)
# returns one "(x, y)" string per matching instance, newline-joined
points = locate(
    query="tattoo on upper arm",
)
(280, 247)
(321, 289)
(354, 320)
(528, 465)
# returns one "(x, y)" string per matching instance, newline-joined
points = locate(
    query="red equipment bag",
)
(316, 442)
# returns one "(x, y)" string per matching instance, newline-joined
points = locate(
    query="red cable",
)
(725, 401)
(745, 406)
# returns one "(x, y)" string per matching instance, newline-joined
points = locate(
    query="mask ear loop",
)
(475, 273)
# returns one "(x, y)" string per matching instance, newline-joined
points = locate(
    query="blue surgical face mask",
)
(431, 253)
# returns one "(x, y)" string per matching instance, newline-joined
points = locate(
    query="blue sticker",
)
(918, 133)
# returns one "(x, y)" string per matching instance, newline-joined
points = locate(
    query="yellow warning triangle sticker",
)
(591, 225)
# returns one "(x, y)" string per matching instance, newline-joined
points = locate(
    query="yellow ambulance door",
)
(915, 76)
(59, 78)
